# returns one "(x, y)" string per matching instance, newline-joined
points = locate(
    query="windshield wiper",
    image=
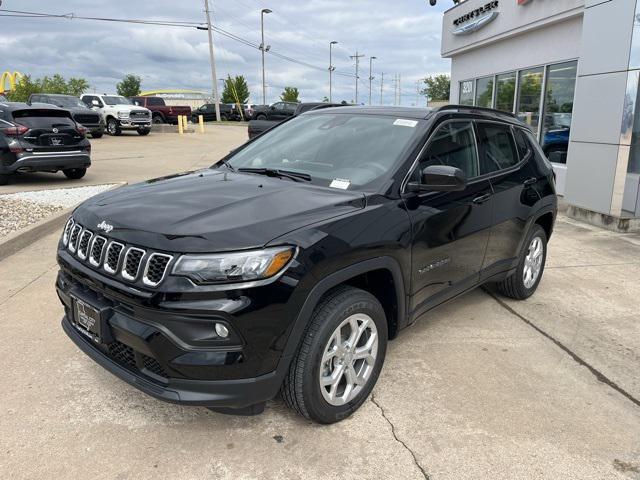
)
(276, 172)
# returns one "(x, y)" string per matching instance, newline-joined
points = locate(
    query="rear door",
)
(450, 230)
(49, 130)
(513, 177)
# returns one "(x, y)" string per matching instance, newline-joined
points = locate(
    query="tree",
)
(290, 94)
(129, 86)
(437, 87)
(55, 84)
(235, 90)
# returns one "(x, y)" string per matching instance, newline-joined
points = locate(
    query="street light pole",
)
(357, 57)
(381, 86)
(331, 67)
(263, 49)
(371, 59)
(212, 59)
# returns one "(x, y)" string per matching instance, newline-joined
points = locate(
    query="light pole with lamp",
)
(331, 67)
(371, 59)
(263, 49)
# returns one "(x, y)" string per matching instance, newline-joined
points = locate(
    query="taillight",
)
(82, 130)
(16, 130)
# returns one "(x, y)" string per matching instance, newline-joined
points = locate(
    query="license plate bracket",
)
(90, 319)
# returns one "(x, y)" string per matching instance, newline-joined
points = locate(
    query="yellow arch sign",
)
(13, 78)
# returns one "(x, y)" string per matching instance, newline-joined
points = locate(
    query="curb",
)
(16, 241)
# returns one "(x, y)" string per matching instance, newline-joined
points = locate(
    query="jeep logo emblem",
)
(104, 226)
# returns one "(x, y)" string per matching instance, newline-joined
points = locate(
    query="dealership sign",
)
(475, 19)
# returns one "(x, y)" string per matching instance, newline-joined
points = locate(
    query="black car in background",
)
(256, 127)
(277, 111)
(80, 112)
(228, 111)
(41, 138)
(290, 264)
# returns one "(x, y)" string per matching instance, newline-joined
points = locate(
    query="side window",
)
(279, 106)
(37, 99)
(87, 100)
(524, 149)
(453, 144)
(497, 148)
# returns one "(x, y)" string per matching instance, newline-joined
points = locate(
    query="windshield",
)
(69, 102)
(116, 100)
(347, 151)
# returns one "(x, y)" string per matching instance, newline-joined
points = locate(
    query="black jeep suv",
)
(290, 264)
(41, 138)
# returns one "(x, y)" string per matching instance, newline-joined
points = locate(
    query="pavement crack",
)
(393, 432)
(28, 284)
(601, 377)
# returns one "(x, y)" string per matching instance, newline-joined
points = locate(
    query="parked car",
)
(41, 138)
(118, 113)
(79, 111)
(277, 111)
(208, 112)
(160, 111)
(290, 264)
(256, 127)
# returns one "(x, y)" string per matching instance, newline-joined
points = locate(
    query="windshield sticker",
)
(406, 123)
(340, 183)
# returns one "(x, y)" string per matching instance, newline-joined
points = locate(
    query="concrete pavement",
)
(472, 391)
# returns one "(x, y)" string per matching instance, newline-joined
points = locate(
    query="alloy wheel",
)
(533, 262)
(348, 359)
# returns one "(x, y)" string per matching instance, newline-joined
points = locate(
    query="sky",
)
(404, 36)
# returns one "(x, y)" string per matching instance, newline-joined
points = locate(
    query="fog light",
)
(221, 330)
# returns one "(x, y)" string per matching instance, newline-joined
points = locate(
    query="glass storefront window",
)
(505, 91)
(466, 92)
(558, 108)
(529, 94)
(484, 92)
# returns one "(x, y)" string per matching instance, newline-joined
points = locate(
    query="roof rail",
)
(471, 107)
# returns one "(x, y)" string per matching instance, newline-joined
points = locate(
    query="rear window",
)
(154, 102)
(42, 118)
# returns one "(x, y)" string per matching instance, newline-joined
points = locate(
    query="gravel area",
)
(19, 210)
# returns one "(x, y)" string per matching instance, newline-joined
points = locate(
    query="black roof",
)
(13, 106)
(420, 113)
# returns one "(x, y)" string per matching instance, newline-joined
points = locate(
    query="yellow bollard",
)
(186, 124)
(180, 128)
(201, 122)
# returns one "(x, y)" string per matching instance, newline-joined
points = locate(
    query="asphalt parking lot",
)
(482, 387)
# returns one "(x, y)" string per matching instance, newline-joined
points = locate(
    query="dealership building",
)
(569, 69)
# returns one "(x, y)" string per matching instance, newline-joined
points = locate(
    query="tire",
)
(113, 127)
(517, 286)
(301, 388)
(224, 117)
(74, 173)
(157, 119)
(261, 117)
(96, 134)
(4, 179)
(143, 131)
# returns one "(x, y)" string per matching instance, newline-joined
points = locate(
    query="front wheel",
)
(113, 127)
(158, 120)
(143, 131)
(340, 358)
(74, 173)
(525, 280)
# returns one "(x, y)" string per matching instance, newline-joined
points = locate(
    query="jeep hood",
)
(213, 210)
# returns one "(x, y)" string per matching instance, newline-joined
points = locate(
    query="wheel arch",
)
(546, 221)
(363, 275)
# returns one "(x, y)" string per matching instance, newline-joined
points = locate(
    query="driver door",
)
(450, 230)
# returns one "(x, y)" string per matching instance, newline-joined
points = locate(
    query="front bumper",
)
(127, 123)
(239, 393)
(48, 161)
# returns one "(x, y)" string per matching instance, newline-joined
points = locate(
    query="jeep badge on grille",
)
(104, 226)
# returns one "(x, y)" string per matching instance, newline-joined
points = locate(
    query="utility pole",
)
(357, 57)
(263, 49)
(417, 92)
(212, 59)
(371, 59)
(331, 67)
(381, 85)
(395, 88)
(399, 91)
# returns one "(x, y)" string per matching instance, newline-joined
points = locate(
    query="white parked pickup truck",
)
(118, 113)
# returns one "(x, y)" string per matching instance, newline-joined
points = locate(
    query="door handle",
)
(482, 198)
(530, 181)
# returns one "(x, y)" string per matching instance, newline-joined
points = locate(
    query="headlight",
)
(234, 267)
(123, 114)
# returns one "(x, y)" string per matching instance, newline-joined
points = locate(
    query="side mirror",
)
(440, 178)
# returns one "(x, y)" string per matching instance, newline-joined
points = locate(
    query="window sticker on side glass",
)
(340, 183)
(406, 123)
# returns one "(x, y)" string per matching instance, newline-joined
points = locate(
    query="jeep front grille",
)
(127, 262)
